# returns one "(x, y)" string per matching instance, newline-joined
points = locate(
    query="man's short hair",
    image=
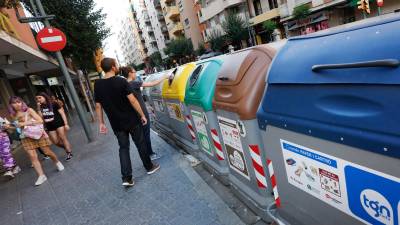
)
(107, 64)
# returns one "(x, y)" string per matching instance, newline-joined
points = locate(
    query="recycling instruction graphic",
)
(175, 111)
(201, 129)
(365, 194)
(231, 137)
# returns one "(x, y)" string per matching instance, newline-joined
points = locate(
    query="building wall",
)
(170, 23)
(22, 29)
(219, 9)
(148, 32)
(190, 22)
(156, 25)
(211, 8)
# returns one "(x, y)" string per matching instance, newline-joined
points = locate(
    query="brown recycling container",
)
(239, 90)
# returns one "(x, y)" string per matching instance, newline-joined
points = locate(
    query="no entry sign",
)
(51, 39)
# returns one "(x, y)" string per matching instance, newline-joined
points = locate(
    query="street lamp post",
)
(67, 77)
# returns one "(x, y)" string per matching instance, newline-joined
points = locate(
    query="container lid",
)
(201, 85)
(356, 107)
(174, 87)
(365, 53)
(240, 83)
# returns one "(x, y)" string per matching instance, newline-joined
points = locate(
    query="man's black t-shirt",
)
(112, 94)
(134, 87)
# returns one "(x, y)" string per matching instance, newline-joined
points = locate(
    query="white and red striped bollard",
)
(273, 182)
(217, 145)
(190, 126)
(258, 166)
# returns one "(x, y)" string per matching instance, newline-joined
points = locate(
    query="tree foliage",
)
(83, 25)
(235, 28)
(156, 60)
(179, 48)
(201, 49)
(301, 11)
(217, 41)
(8, 3)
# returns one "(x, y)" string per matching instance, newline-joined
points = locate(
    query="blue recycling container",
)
(330, 124)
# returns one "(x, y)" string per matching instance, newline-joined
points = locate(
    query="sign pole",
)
(67, 77)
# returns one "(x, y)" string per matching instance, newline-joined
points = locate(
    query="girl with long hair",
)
(55, 122)
(24, 116)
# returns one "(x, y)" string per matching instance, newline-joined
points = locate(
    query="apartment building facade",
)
(212, 13)
(190, 22)
(145, 29)
(158, 24)
(129, 44)
(172, 18)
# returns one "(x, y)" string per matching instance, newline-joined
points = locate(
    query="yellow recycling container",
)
(173, 93)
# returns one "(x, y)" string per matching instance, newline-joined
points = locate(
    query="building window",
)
(257, 7)
(273, 4)
(187, 22)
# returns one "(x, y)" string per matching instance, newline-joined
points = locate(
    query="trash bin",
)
(173, 92)
(147, 97)
(162, 122)
(331, 127)
(239, 89)
(198, 98)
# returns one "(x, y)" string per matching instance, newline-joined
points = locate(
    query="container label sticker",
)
(231, 137)
(365, 194)
(158, 105)
(201, 130)
(175, 111)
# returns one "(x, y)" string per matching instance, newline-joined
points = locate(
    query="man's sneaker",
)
(69, 156)
(154, 156)
(60, 166)
(16, 170)
(41, 179)
(46, 157)
(9, 174)
(154, 169)
(128, 183)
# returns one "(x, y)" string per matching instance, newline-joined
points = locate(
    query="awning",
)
(264, 17)
(25, 59)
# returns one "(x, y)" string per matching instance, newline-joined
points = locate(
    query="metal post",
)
(379, 11)
(68, 79)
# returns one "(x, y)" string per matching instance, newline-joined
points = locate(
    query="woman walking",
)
(130, 74)
(55, 121)
(6, 157)
(33, 135)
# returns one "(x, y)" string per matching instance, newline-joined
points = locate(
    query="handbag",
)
(32, 131)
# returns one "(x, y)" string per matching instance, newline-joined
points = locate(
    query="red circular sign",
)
(51, 39)
(380, 3)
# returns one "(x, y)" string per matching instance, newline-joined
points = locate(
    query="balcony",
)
(264, 17)
(177, 28)
(168, 1)
(164, 29)
(160, 16)
(173, 13)
(157, 4)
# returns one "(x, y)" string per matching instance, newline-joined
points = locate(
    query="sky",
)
(115, 10)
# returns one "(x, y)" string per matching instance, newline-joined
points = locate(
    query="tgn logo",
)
(377, 206)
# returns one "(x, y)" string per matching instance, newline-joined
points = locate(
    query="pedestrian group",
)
(118, 94)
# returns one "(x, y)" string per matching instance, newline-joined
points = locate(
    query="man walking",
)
(125, 115)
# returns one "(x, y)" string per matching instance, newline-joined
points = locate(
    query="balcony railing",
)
(7, 26)
(173, 13)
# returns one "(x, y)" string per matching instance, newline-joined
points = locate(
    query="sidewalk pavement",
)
(89, 191)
